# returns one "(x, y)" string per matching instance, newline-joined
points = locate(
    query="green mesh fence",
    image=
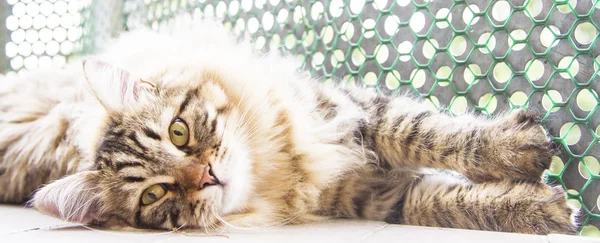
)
(41, 34)
(488, 56)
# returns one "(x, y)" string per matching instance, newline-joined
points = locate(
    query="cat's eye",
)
(179, 133)
(153, 194)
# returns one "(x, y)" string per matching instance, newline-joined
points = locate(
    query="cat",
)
(195, 129)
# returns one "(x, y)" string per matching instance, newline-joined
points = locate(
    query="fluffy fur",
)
(285, 148)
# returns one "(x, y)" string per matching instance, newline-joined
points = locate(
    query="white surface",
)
(18, 224)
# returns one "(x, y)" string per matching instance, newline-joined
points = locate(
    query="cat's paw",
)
(556, 215)
(518, 147)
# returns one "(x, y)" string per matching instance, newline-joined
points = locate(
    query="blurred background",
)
(39, 34)
(461, 56)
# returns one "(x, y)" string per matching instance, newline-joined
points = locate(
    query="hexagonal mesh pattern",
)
(42, 33)
(487, 56)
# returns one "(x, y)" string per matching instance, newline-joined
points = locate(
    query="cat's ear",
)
(73, 198)
(114, 87)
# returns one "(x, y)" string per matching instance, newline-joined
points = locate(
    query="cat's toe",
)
(521, 146)
(561, 218)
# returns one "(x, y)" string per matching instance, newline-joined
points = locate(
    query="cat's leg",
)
(447, 200)
(370, 192)
(532, 208)
(408, 134)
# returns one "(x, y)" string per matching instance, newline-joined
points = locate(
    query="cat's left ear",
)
(114, 87)
(73, 198)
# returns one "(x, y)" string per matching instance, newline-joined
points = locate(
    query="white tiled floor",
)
(18, 224)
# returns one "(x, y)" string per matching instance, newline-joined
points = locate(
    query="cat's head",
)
(169, 155)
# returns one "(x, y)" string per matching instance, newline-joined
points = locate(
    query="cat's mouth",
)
(211, 173)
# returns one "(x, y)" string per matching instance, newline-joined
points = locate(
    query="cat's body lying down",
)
(197, 131)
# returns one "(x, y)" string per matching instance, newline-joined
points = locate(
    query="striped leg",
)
(370, 193)
(405, 133)
(504, 206)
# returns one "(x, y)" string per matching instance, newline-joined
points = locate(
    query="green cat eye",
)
(179, 133)
(153, 194)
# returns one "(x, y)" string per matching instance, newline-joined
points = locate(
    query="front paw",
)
(555, 214)
(518, 147)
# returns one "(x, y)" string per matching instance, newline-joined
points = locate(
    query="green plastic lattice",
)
(490, 56)
(42, 33)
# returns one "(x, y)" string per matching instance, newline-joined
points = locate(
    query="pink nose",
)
(207, 178)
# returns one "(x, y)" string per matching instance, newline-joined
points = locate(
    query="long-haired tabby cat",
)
(193, 129)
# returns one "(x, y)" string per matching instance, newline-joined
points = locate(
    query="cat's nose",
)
(198, 177)
(208, 179)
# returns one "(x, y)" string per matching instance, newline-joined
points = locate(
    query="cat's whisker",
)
(89, 201)
(246, 110)
(203, 223)
(252, 136)
(229, 116)
(181, 226)
(252, 133)
(255, 228)
(213, 227)
(240, 100)
(255, 115)
(174, 230)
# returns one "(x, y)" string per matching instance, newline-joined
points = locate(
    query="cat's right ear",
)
(116, 88)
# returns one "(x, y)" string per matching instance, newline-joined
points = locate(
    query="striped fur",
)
(285, 148)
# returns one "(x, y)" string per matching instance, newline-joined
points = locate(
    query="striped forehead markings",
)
(133, 137)
(123, 165)
(117, 144)
(152, 134)
(186, 101)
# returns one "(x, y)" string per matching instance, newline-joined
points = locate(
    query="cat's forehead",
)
(174, 76)
(152, 118)
(165, 102)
